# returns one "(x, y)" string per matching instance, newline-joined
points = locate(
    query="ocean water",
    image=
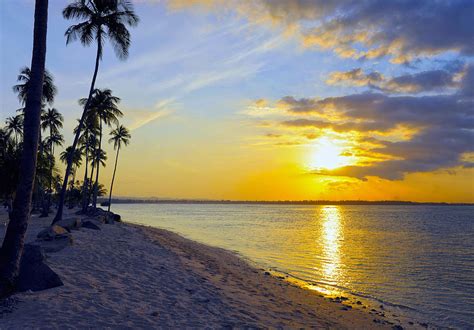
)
(419, 260)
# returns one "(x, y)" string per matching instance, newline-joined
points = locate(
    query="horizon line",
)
(157, 200)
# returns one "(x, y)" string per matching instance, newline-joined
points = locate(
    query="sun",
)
(328, 154)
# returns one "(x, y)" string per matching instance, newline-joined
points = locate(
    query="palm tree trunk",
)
(50, 167)
(85, 183)
(89, 193)
(59, 214)
(71, 190)
(96, 186)
(13, 243)
(113, 178)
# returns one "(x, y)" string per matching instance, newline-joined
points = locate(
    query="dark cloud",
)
(443, 124)
(438, 80)
(467, 82)
(400, 29)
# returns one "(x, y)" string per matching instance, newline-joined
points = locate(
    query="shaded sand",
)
(132, 276)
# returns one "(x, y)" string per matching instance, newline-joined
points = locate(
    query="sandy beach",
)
(140, 277)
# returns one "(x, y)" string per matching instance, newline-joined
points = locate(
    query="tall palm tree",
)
(52, 120)
(49, 89)
(13, 243)
(101, 19)
(104, 106)
(88, 143)
(14, 126)
(120, 136)
(76, 160)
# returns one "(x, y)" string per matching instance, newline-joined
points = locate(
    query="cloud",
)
(142, 118)
(437, 80)
(273, 135)
(402, 30)
(394, 135)
(354, 77)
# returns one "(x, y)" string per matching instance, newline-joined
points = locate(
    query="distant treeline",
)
(282, 202)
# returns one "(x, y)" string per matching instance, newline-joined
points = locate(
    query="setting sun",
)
(327, 154)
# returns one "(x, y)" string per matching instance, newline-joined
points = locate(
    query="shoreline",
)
(138, 276)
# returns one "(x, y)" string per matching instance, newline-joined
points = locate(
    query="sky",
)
(275, 100)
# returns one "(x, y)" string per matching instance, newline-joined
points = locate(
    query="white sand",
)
(132, 276)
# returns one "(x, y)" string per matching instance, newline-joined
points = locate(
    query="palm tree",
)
(101, 19)
(49, 90)
(88, 140)
(76, 160)
(104, 106)
(13, 243)
(14, 126)
(51, 119)
(120, 136)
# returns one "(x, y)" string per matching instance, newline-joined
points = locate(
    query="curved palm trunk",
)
(85, 183)
(89, 193)
(62, 195)
(96, 186)
(113, 178)
(71, 189)
(12, 248)
(51, 167)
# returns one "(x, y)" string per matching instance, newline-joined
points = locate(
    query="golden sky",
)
(277, 100)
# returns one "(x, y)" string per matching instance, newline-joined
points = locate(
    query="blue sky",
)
(228, 87)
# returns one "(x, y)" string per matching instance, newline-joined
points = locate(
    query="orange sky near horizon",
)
(274, 100)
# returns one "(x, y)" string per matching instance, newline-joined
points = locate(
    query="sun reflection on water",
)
(331, 236)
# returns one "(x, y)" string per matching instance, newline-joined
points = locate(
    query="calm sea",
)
(417, 259)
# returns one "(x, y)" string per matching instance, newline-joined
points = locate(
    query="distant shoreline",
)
(302, 202)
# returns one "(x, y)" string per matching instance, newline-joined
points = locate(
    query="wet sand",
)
(134, 276)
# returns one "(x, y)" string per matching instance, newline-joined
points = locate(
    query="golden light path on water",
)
(331, 236)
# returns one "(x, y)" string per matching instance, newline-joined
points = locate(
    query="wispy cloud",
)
(142, 118)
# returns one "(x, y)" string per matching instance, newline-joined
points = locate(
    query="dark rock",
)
(116, 217)
(90, 225)
(55, 245)
(397, 327)
(359, 302)
(109, 220)
(53, 239)
(51, 233)
(35, 274)
(70, 223)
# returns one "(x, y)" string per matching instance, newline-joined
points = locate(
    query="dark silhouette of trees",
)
(13, 243)
(52, 121)
(120, 137)
(101, 19)
(14, 126)
(49, 89)
(103, 105)
(76, 156)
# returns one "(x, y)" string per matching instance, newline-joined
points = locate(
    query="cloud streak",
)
(401, 30)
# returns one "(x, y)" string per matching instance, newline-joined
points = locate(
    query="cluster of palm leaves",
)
(99, 20)
(102, 112)
(11, 143)
(27, 162)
